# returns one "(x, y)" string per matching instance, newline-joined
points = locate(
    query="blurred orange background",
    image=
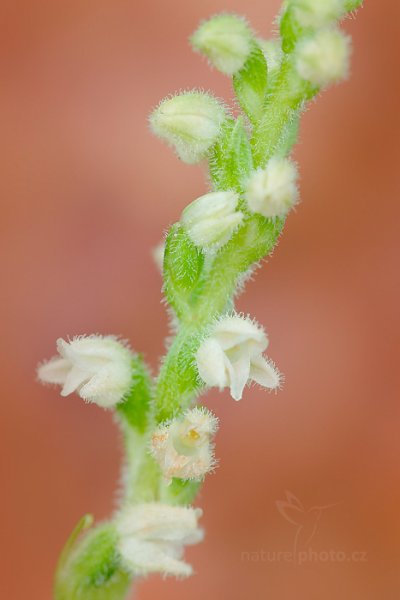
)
(87, 192)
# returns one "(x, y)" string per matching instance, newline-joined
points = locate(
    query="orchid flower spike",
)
(152, 538)
(97, 367)
(183, 447)
(232, 355)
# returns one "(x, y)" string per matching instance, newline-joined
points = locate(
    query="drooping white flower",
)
(97, 367)
(323, 59)
(272, 191)
(190, 122)
(183, 447)
(232, 355)
(211, 220)
(153, 536)
(226, 40)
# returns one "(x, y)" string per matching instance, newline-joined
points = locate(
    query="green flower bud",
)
(226, 40)
(323, 59)
(211, 219)
(190, 122)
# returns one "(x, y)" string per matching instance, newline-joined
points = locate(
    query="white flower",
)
(211, 219)
(183, 448)
(153, 536)
(272, 191)
(323, 58)
(97, 368)
(190, 122)
(232, 355)
(226, 40)
(317, 13)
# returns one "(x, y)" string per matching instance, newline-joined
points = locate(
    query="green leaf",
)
(250, 84)
(231, 160)
(92, 570)
(290, 30)
(136, 405)
(183, 264)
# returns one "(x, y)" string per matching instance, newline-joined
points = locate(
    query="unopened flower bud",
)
(152, 537)
(272, 191)
(317, 13)
(226, 40)
(323, 59)
(190, 122)
(211, 219)
(98, 368)
(183, 447)
(158, 255)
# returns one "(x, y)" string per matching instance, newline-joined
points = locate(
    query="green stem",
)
(178, 382)
(283, 103)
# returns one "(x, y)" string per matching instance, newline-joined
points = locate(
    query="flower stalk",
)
(220, 239)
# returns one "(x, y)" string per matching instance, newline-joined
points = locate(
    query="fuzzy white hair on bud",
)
(226, 40)
(190, 122)
(232, 355)
(211, 220)
(317, 13)
(183, 447)
(96, 367)
(323, 59)
(152, 537)
(272, 191)
(272, 50)
(158, 255)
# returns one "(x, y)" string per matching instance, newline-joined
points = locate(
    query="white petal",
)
(75, 378)
(154, 521)
(263, 372)
(211, 363)
(149, 557)
(108, 386)
(239, 375)
(54, 371)
(92, 352)
(233, 331)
